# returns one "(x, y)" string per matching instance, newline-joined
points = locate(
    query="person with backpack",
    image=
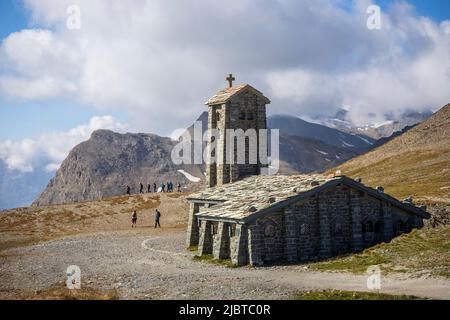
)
(134, 219)
(157, 217)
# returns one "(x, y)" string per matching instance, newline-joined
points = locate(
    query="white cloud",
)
(51, 167)
(50, 149)
(159, 60)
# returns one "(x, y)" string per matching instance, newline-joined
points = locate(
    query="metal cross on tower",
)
(230, 80)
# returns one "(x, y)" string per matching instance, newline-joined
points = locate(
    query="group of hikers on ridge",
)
(156, 216)
(169, 187)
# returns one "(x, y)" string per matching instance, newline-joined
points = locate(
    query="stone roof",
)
(246, 199)
(240, 199)
(225, 95)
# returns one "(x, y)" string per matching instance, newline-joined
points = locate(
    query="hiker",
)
(163, 187)
(179, 187)
(157, 217)
(127, 189)
(141, 188)
(154, 187)
(149, 188)
(133, 219)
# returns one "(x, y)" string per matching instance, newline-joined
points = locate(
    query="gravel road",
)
(145, 263)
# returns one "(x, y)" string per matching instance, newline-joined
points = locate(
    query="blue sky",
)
(13, 17)
(148, 66)
(18, 118)
(438, 10)
(24, 119)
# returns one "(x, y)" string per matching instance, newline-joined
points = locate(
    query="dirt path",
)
(145, 263)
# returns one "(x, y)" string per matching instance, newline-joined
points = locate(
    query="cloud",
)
(48, 150)
(159, 60)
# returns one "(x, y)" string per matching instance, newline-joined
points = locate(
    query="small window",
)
(400, 227)
(269, 230)
(367, 227)
(378, 227)
(232, 230)
(214, 228)
(250, 116)
(242, 115)
(304, 229)
(338, 228)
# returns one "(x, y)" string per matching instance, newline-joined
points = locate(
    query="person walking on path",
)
(133, 219)
(127, 189)
(149, 188)
(179, 187)
(141, 188)
(157, 217)
(154, 187)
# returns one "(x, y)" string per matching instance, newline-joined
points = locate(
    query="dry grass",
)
(28, 226)
(60, 292)
(176, 195)
(421, 252)
(350, 295)
(210, 259)
(415, 163)
(425, 175)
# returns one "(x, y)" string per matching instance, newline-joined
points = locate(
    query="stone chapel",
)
(260, 219)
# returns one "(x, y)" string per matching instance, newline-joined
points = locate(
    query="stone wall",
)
(193, 231)
(337, 221)
(221, 241)
(239, 246)
(244, 111)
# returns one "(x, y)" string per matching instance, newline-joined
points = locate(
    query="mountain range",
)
(21, 188)
(342, 122)
(108, 161)
(415, 163)
(103, 165)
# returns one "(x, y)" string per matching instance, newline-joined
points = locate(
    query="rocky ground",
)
(153, 264)
(148, 263)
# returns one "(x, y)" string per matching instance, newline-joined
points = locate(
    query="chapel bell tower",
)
(236, 107)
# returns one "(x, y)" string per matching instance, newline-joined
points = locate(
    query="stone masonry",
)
(312, 218)
(236, 108)
(258, 220)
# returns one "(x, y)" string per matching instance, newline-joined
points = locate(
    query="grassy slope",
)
(60, 292)
(416, 163)
(27, 226)
(350, 295)
(421, 252)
